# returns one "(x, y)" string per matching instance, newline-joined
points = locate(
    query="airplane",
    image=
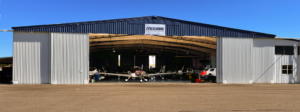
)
(142, 74)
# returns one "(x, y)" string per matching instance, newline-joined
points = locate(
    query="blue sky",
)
(279, 17)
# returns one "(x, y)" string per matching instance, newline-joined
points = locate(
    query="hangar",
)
(63, 53)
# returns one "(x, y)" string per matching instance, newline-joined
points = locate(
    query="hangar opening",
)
(120, 53)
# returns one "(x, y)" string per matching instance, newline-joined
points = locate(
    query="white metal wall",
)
(298, 68)
(31, 58)
(69, 58)
(285, 60)
(234, 60)
(267, 65)
(263, 60)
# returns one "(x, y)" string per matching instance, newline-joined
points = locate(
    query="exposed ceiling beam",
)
(196, 38)
(104, 35)
(155, 38)
(192, 38)
(151, 52)
(153, 43)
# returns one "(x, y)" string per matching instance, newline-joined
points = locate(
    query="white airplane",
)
(142, 74)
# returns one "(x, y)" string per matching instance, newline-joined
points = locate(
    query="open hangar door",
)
(69, 58)
(56, 58)
(119, 53)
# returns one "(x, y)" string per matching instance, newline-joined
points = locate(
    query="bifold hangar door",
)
(234, 60)
(56, 58)
(69, 58)
(31, 58)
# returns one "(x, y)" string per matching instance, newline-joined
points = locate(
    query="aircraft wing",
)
(115, 74)
(163, 74)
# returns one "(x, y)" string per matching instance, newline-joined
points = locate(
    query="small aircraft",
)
(142, 74)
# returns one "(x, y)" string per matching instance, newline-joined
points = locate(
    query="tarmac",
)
(142, 97)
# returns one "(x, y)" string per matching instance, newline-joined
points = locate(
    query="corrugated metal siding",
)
(297, 77)
(219, 61)
(285, 60)
(121, 27)
(184, 29)
(267, 65)
(127, 26)
(263, 60)
(187, 29)
(236, 62)
(31, 55)
(69, 58)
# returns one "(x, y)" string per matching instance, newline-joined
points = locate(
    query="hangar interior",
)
(119, 53)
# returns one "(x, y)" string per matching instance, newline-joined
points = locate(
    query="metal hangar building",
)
(63, 53)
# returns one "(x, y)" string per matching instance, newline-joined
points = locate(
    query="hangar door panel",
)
(234, 60)
(69, 58)
(31, 58)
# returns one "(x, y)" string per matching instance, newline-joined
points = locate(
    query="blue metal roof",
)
(136, 26)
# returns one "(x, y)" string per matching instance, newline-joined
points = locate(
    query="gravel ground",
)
(150, 97)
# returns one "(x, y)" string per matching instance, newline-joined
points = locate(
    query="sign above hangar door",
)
(155, 29)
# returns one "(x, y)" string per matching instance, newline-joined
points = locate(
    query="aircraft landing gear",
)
(126, 80)
(162, 77)
(144, 79)
(152, 78)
